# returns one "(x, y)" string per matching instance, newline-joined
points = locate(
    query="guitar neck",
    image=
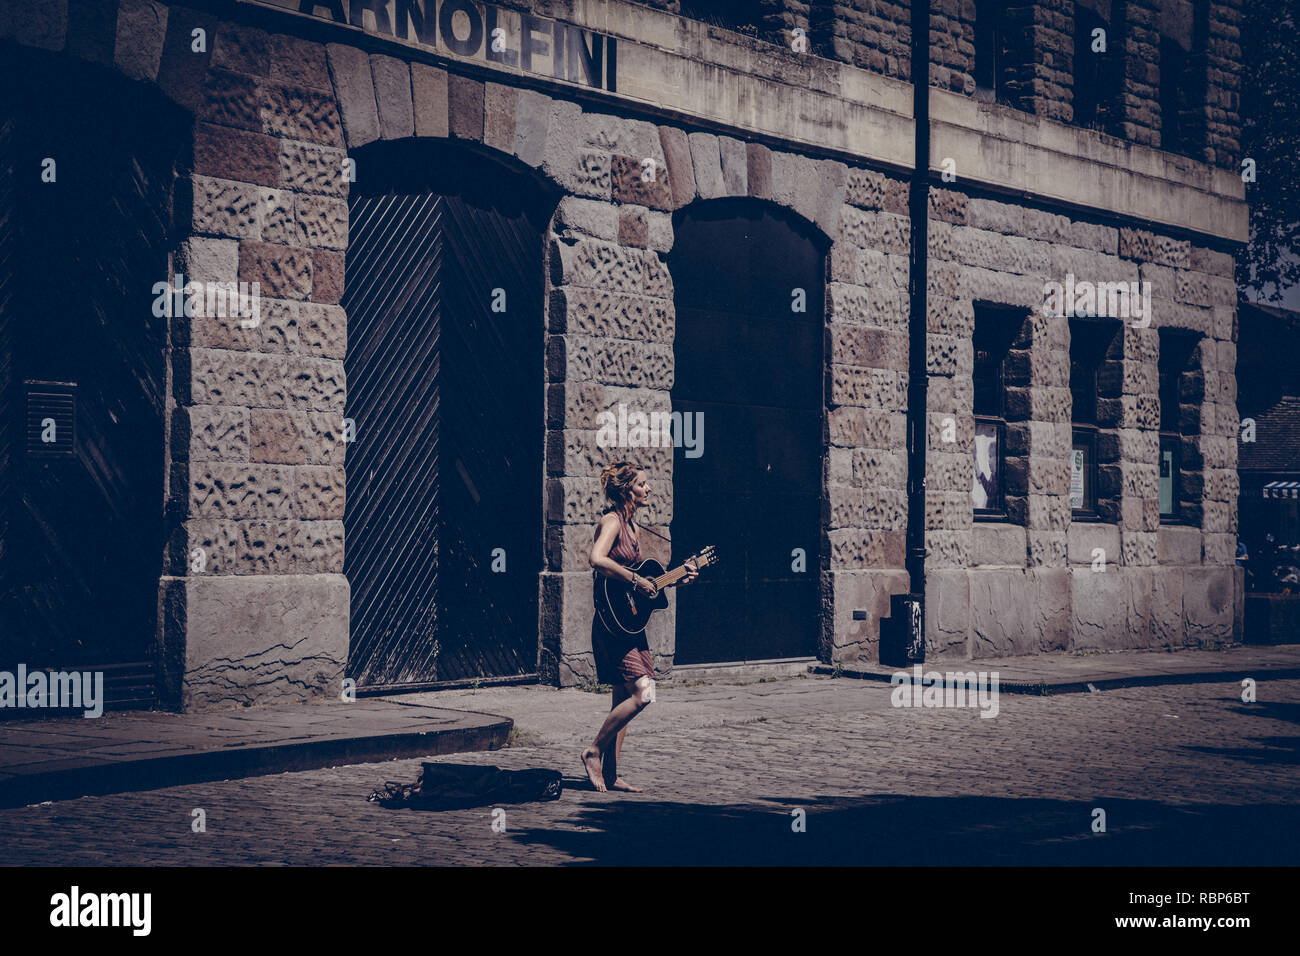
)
(670, 577)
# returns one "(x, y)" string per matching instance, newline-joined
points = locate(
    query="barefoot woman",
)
(621, 660)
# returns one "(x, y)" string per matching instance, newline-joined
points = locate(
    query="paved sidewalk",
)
(57, 759)
(1065, 673)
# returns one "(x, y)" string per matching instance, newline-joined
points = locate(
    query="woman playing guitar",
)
(621, 660)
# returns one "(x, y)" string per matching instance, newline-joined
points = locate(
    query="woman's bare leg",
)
(606, 742)
(613, 779)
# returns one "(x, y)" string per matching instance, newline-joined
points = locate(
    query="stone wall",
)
(1032, 583)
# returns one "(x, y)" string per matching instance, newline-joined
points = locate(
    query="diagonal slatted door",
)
(446, 394)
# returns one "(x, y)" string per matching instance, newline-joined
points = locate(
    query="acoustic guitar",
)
(624, 609)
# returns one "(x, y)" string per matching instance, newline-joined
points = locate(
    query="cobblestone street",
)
(1186, 774)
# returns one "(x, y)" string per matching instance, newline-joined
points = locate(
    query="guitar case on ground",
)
(450, 786)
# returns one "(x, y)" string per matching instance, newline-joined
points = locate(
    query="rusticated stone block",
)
(283, 272)
(210, 433)
(881, 231)
(307, 168)
(862, 548)
(611, 361)
(844, 507)
(948, 549)
(325, 438)
(237, 490)
(327, 276)
(231, 99)
(299, 63)
(392, 82)
(865, 188)
(242, 48)
(323, 221)
(278, 218)
(323, 330)
(320, 492)
(278, 436)
(1004, 218)
(633, 229)
(355, 92)
(220, 207)
(236, 155)
(230, 641)
(317, 547)
(608, 267)
(141, 31)
(947, 205)
(630, 185)
(593, 312)
(313, 383)
(854, 305)
(296, 112)
(234, 378)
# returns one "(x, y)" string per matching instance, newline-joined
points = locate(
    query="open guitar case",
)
(450, 786)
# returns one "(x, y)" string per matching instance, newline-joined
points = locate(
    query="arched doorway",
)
(88, 164)
(443, 519)
(748, 285)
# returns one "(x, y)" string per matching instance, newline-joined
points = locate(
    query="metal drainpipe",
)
(909, 609)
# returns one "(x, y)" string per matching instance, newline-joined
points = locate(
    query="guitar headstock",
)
(706, 556)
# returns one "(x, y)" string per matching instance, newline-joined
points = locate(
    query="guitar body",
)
(623, 609)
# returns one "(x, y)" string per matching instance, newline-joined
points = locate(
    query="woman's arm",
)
(604, 564)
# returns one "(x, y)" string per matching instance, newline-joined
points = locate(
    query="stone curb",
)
(96, 777)
(1044, 688)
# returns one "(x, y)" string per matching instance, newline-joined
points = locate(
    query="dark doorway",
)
(82, 367)
(445, 388)
(753, 367)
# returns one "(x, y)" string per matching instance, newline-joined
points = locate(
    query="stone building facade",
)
(281, 95)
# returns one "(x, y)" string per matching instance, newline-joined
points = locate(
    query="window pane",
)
(986, 492)
(1168, 476)
(1083, 455)
(1078, 477)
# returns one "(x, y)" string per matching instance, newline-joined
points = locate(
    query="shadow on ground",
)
(893, 829)
(1275, 750)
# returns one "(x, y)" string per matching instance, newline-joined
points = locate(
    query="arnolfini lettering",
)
(477, 31)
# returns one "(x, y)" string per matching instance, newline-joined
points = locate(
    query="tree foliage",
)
(1270, 111)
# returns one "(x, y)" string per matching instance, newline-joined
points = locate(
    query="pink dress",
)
(621, 657)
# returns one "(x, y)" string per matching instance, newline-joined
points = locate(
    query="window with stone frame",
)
(1184, 35)
(1000, 403)
(1095, 354)
(1182, 389)
(1098, 65)
(993, 64)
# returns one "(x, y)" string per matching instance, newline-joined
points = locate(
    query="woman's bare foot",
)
(591, 764)
(621, 784)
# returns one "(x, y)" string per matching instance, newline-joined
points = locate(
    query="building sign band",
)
(481, 32)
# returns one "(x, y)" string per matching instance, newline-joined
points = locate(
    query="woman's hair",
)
(617, 480)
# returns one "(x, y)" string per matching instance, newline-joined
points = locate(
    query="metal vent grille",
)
(51, 418)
